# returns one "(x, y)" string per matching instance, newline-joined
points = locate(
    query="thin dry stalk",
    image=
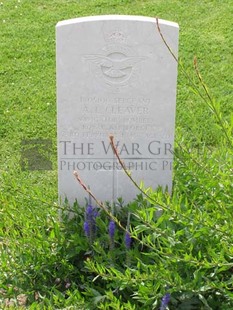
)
(211, 103)
(99, 203)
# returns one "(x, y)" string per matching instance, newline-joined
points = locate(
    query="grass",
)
(36, 249)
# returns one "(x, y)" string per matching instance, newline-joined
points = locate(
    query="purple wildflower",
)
(90, 221)
(127, 240)
(86, 229)
(111, 229)
(165, 301)
(89, 212)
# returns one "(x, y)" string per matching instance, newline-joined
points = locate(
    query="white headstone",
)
(115, 76)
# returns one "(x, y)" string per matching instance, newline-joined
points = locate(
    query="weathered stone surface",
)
(115, 76)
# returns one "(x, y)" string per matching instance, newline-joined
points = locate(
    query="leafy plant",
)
(181, 245)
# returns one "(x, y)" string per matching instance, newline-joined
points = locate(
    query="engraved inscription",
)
(125, 100)
(119, 115)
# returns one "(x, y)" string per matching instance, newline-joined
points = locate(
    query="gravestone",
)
(115, 76)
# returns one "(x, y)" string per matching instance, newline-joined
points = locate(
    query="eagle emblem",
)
(116, 67)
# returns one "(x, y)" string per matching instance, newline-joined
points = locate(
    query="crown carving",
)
(116, 36)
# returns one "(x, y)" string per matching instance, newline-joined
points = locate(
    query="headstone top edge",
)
(115, 18)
